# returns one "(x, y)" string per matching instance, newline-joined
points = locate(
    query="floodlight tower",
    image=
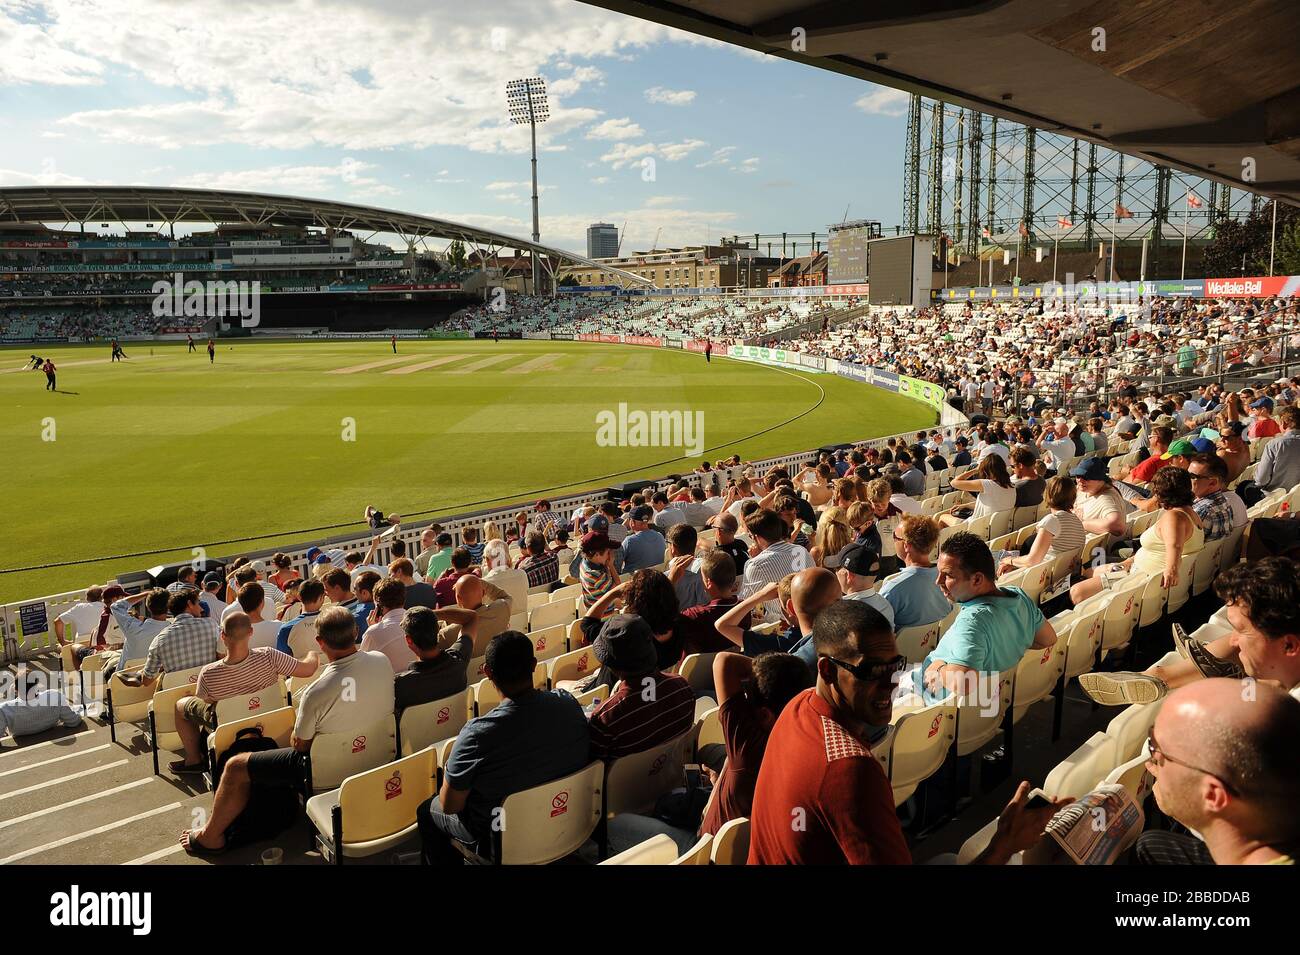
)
(526, 99)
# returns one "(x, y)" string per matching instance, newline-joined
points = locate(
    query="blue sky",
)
(403, 105)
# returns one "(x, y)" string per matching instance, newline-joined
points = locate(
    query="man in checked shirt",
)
(190, 640)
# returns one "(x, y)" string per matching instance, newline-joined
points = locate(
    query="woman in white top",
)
(1060, 532)
(991, 483)
(496, 556)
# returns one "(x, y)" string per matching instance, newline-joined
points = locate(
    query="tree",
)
(456, 254)
(1241, 246)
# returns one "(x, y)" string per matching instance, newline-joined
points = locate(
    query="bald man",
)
(811, 592)
(490, 602)
(1224, 756)
(1262, 600)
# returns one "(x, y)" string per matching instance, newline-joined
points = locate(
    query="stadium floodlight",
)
(526, 100)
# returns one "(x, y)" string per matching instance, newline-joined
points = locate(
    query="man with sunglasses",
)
(822, 798)
(1225, 762)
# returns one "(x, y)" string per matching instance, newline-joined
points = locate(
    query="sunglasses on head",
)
(873, 671)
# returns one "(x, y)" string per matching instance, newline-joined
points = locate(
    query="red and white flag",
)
(1023, 230)
(1193, 201)
(986, 233)
(1121, 212)
(1064, 222)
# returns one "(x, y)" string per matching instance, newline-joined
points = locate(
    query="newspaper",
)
(1098, 827)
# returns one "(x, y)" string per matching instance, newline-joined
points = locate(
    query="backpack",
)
(270, 809)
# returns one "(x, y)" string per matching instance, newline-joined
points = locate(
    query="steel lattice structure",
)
(965, 172)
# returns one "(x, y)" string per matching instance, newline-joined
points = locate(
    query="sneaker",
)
(1209, 665)
(1122, 688)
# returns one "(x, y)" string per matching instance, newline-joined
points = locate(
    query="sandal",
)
(196, 848)
(180, 766)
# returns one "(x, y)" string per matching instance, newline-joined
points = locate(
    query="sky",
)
(402, 104)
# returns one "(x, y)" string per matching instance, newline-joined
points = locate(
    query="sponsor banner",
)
(813, 291)
(643, 340)
(695, 344)
(766, 356)
(581, 289)
(15, 244)
(861, 289)
(437, 286)
(607, 339)
(887, 379)
(1258, 287)
(673, 343)
(812, 361)
(512, 333)
(41, 340)
(924, 391)
(561, 337)
(848, 369)
(130, 267)
(379, 263)
(252, 243)
(351, 287)
(180, 330)
(538, 336)
(445, 335)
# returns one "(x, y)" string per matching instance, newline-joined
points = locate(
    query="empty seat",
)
(375, 810)
(429, 723)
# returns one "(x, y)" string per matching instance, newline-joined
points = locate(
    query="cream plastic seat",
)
(1135, 777)
(1080, 772)
(1231, 552)
(179, 678)
(336, 756)
(274, 724)
(979, 718)
(375, 810)
(1037, 580)
(574, 665)
(1024, 516)
(1131, 725)
(550, 821)
(731, 844)
(699, 854)
(1083, 641)
(550, 642)
(1206, 566)
(980, 526)
(593, 697)
(571, 592)
(1122, 607)
(1154, 596)
(697, 670)
(485, 697)
(1036, 676)
(1000, 523)
(162, 721)
(238, 707)
(710, 728)
(1181, 592)
(657, 850)
(428, 723)
(915, 642)
(556, 613)
(634, 782)
(126, 704)
(919, 744)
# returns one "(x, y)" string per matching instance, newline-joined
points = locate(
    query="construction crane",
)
(654, 245)
(621, 232)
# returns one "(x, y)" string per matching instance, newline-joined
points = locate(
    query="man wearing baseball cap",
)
(1264, 425)
(1099, 506)
(644, 546)
(649, 707)
(1178, 455)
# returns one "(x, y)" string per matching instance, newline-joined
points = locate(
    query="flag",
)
(1064, 223)
(986, 233)
(1121, 212)
(1023, 230)
(1193, 201)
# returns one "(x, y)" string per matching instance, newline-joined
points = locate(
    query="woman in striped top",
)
(1060, 532)
(596, 571)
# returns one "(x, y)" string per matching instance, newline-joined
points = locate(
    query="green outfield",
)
(164, 451)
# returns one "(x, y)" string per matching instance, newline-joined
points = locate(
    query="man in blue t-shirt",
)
(532, 737)
(994, 628)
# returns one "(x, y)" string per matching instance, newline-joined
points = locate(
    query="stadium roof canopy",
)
(74, 205)
(1198, 85)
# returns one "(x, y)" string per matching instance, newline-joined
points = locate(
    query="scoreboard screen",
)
(891, 271)
(848, 248)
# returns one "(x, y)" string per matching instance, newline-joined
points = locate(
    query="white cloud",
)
(372, 74)
(720, 157)
(616, 129)
(749, 165)
(48, 176)
(883, 101)
(350, 174)
(600, 180)
(658, 94)
(675, 151)
(623, 154)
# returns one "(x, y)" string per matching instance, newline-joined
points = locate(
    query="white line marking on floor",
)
(353, 369)
(56, 759)
(483, 363)
(433, 363)
(14, 751)
(91, 832)
(155, 856)
(66, 779)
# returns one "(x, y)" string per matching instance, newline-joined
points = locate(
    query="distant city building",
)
(602, 240)
(730, 265)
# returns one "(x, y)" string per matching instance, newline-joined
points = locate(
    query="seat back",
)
(633, 783)
(1180, 592)
(657, 850)
(1000, 523)
(920, 744)
(179, 678)
(1129, 729)
(979, 715)
(1121, 614)
(485, 696)
(1206, 566)
(573, 665)
(1231, 551)
(336, 756)
(1135, 777)
(980, 526)
(556, 613)
(381, 802)
(550, 642)
(1080, 772)
(428, 723)
(162, 708)
(915, 642)
(697, 670)
(550, 821)
(1024, 516)
(1036, 676)
(698, 854)
(237, 707)
(274, 724)
(1154, 596)
(1037, 580)
(731, 844)
(1082, 641)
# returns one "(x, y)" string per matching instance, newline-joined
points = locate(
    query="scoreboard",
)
(849, 252)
